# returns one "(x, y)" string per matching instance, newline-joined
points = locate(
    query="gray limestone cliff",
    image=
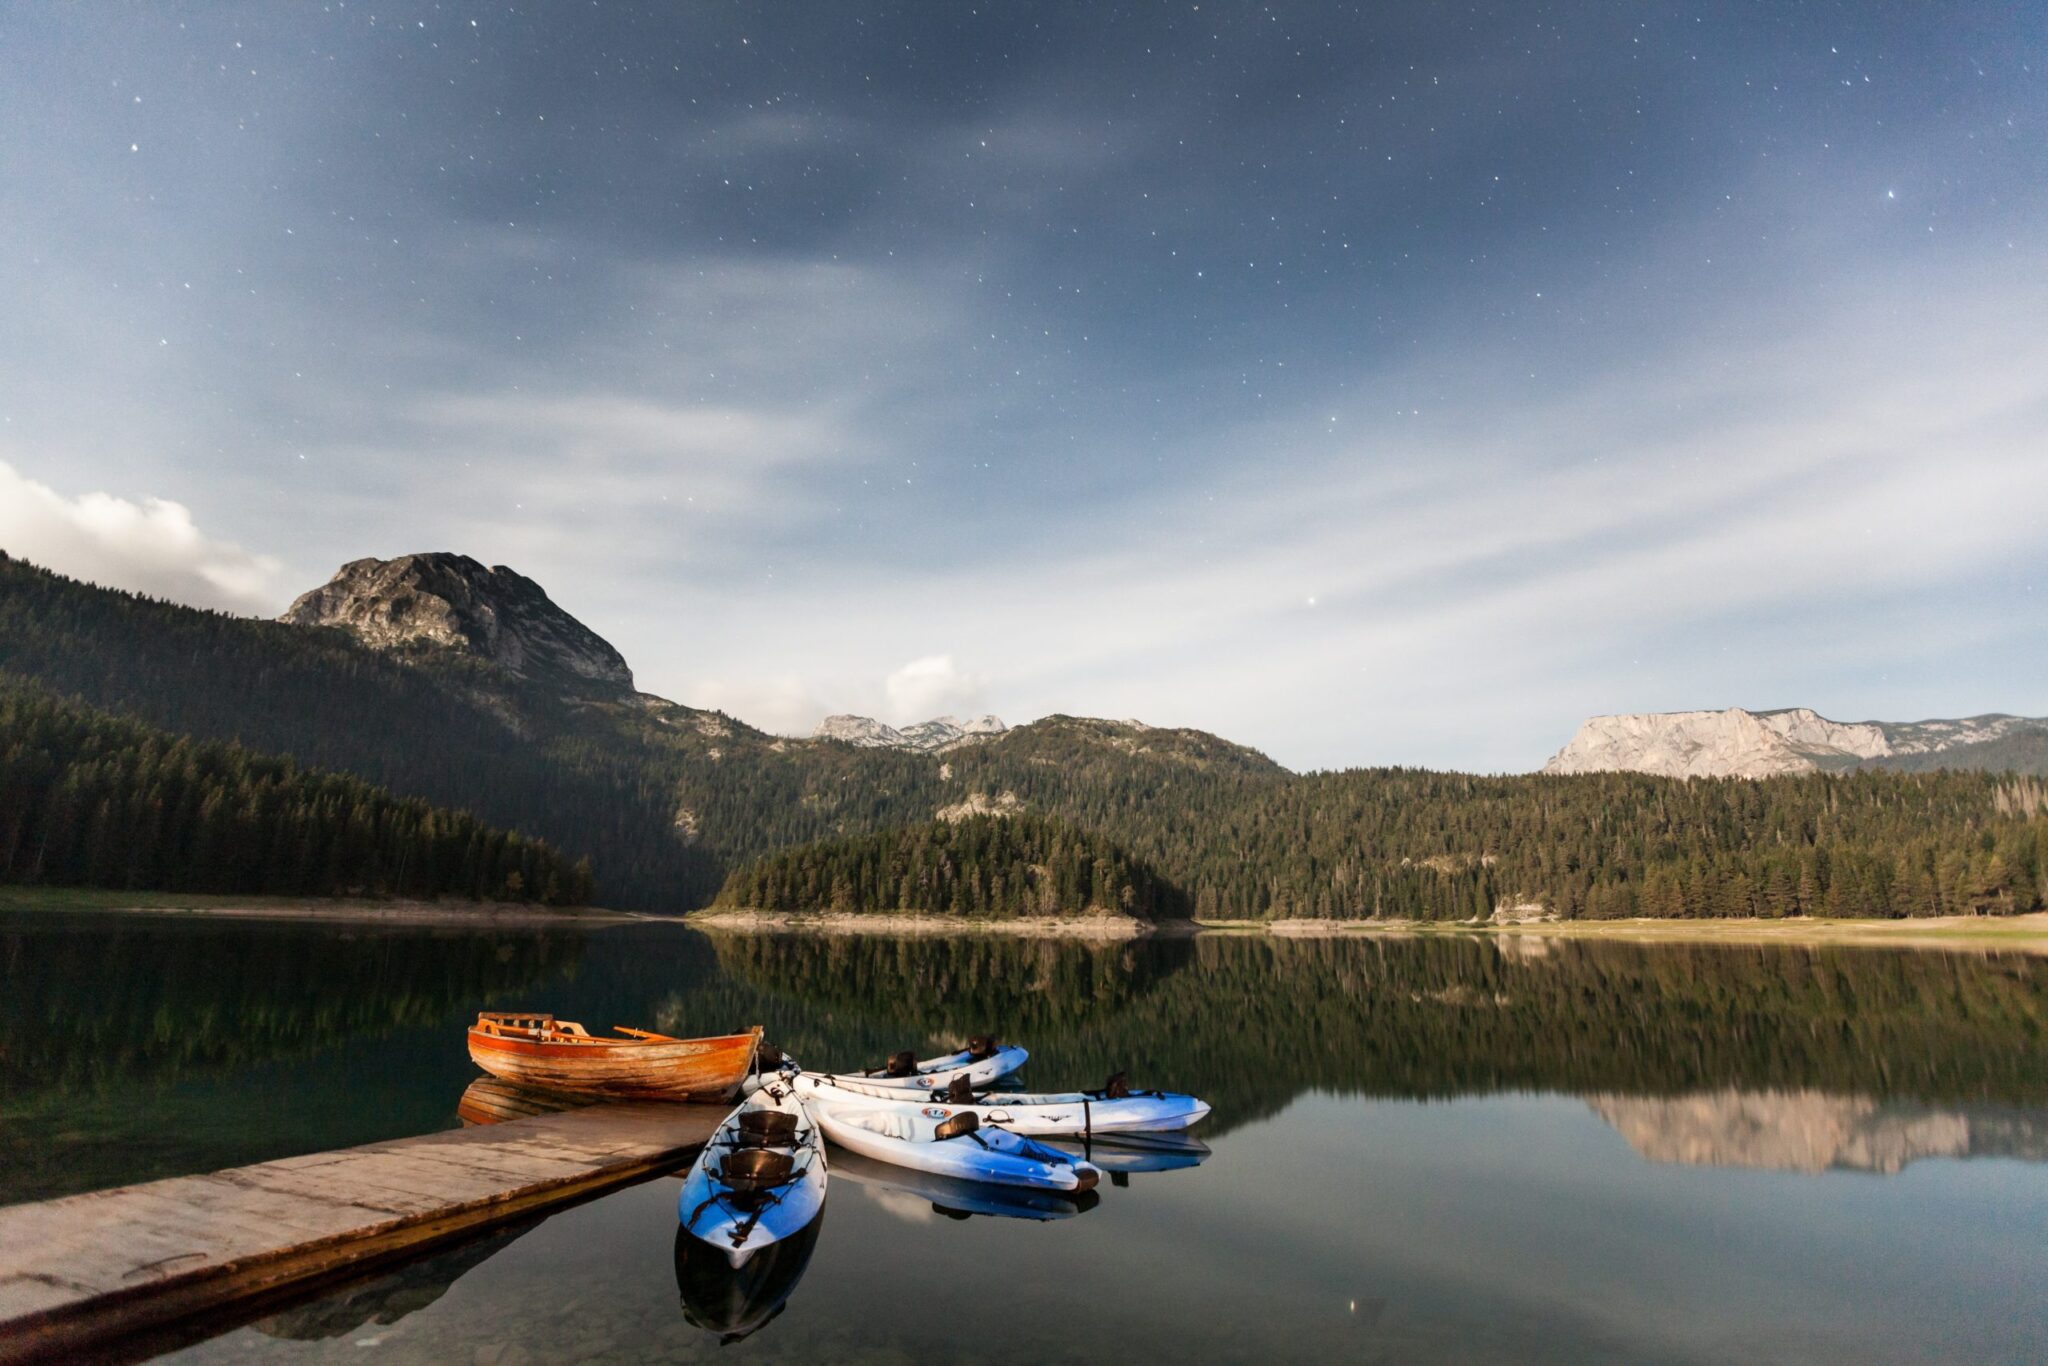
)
(452, 601)
(929, 737)
(1737, 743)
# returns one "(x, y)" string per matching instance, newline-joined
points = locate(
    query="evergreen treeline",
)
(1617, 845)
(988, 866)
(1246, 842)
(89, 799)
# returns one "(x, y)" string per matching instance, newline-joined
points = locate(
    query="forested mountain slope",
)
(92, 799)
(666, 800)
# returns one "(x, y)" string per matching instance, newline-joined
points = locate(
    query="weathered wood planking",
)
(80, 1274)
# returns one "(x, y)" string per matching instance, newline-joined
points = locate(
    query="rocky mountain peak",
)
(939, 733)
(455, 602)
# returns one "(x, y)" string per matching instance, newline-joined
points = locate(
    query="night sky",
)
(1396, 383)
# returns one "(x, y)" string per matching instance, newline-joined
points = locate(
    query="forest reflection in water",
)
(140, 1046)
(1598, 1123)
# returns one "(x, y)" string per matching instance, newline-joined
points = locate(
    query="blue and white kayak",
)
(932, 1138)
(760, 1179)
(939, 1072)
(1032, 1112)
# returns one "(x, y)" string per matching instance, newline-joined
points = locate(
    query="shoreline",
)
(1984, 934)
(2017, 933)
(1106, 928)
(334, 910)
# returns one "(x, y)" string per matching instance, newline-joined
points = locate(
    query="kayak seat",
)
(765, 1129)
(959, 1126)
(752, 1170)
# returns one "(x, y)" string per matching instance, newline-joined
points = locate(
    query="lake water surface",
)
(1422, 1149)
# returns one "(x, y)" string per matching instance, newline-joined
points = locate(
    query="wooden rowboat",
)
(560, 1055)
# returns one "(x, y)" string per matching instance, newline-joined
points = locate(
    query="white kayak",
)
(939, 1072)
(1042, 1113)
(760, 1179)
(933, 1139)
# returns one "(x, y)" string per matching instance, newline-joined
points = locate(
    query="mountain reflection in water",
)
(1807, 1131)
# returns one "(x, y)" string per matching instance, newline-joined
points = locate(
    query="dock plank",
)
(80, 1274)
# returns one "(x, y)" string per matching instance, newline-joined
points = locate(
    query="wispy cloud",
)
(930, 685)
(149, 545)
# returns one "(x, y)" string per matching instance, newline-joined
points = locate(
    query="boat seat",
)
(959, 1126)
(755, 1169)
(765, 1129)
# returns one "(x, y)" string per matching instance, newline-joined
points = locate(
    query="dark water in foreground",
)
(1421, 1149)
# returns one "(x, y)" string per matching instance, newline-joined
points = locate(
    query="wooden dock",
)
(83, 1275)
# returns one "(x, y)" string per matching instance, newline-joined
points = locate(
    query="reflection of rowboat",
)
(560, 1055)
(490, 1101)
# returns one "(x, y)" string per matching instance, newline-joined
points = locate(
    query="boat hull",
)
(676, 1069)
(908, 1140)
(1037, 1114)
(938, 1073)
(714, 1214)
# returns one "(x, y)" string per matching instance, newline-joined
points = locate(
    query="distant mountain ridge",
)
(1738, 743)
(941, 732)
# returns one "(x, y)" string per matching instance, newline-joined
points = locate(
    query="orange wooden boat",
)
(560, 1055)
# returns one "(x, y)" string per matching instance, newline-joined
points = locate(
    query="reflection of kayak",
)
(954, 1198)
(932, 1138)
(980, 1068)
(1063, 1112)
(490, 1101)
(560, 1055)
(735, 1301)
(760, 1179)
(1120, 1154)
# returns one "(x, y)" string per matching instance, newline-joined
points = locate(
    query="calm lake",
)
(1422, 1149)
